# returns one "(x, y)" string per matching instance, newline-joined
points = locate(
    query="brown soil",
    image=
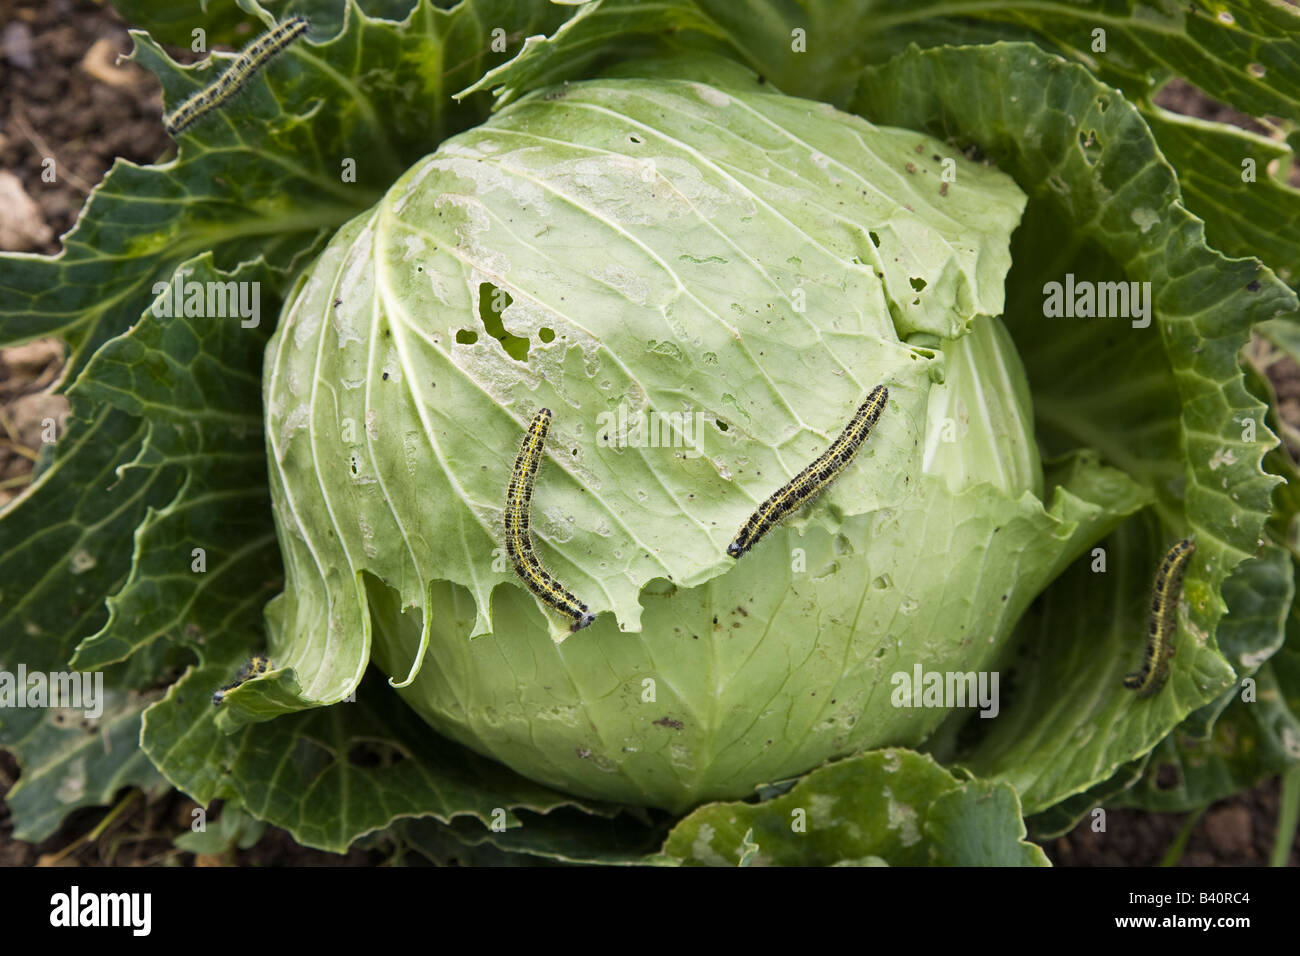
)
(1179, 96)
(1234, 832)
(65, 99)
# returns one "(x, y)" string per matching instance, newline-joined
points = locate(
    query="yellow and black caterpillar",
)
(812, 480)
(519, 542)
(236, 75)
(247, 671)
(1160, 629)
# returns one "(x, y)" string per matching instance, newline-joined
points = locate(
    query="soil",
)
(1179, 96)
(1234, 832)
(64, 98)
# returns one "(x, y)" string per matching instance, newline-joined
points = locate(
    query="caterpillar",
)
(259, 664)
(249, 61)
(812, 480)
(1151, 676)
(519, 542)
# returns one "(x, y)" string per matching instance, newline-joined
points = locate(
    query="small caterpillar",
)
(258, 665)
(1150, 677)
(237, 74)
(812, 480)
(519, 542)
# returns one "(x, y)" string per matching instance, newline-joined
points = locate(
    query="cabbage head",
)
(702, 281)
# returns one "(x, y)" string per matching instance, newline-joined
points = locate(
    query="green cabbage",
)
(739, 268)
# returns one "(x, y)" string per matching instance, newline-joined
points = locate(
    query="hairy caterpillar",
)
(237, 74)
(812, 480)
(1150, 677)
(247, 671)
(519, 542)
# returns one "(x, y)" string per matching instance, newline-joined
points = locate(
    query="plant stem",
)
(1288, 814)
(124, 805)
(1176, 849)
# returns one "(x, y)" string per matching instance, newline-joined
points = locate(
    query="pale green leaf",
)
(891, 806)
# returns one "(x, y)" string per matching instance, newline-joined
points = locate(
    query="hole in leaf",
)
(492, 301)
(875, 239)
(1256, 70)
(917, 283)
(466, 336)
(374, 753)
(1091, 148)
(831, 568)
(634, 139)
(722, 426)
(546, 335)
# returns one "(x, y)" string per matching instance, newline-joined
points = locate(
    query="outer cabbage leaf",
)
(204, 563)
(70, 761)
(1064, 816)
(815, 48)
(561, 836)
(1170, 408)
(1255, 216)
(60, 554)
(889, 807)
(221, 21)
(1257, 736)
(330, 776)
